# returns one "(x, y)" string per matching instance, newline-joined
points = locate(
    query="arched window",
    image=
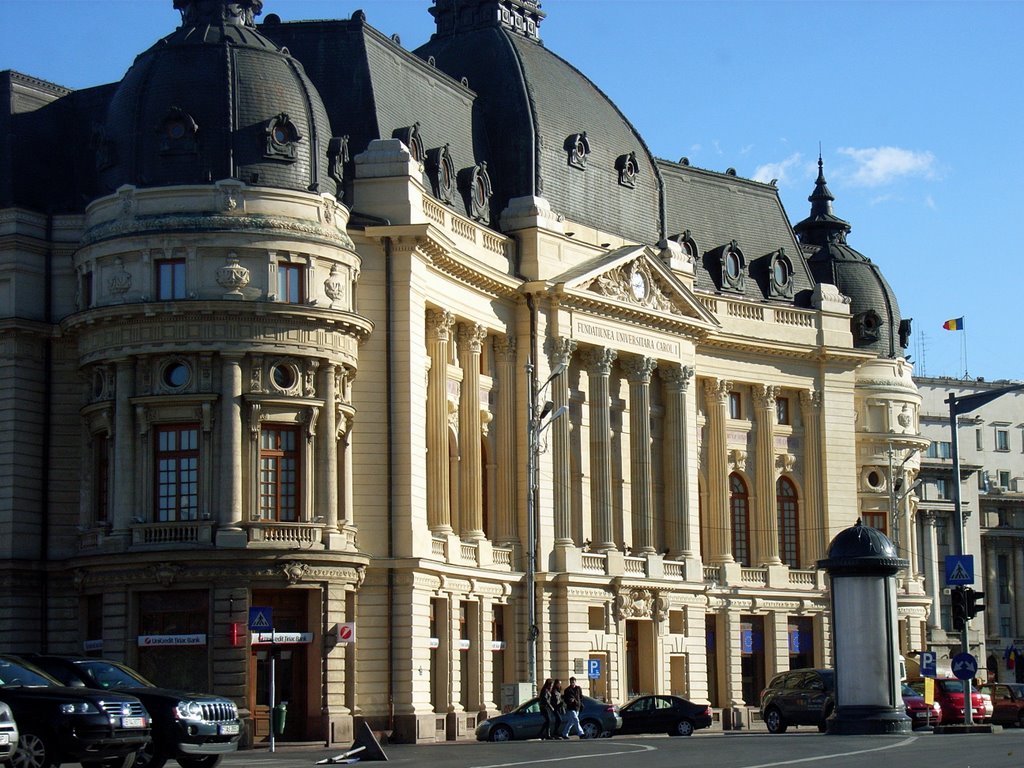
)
(739, 513)
(789, 522)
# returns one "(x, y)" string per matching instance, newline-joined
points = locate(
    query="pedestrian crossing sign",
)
(261, 619)
(959, 570)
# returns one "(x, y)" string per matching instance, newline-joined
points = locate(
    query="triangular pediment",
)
(633, 280)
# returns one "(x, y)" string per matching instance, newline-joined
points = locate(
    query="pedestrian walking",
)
(547, 710)
(558, 706)
(572, 700)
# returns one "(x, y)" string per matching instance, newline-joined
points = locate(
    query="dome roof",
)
(862, 548)
(215, 99)
(876, 321)
(550, 132)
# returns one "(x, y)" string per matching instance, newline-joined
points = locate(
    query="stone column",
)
(505, 426)
(677, 476)
(561, 352)
(471, 485)
(328, 464)
(716, 393)
(639, 370)
(123, 493)
(764, 418)
(599, 367)
(439, 513)
(812, 520)
(231, 441)
(931, 564)
(990, 587)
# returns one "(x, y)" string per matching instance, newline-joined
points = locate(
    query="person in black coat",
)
(547, 709)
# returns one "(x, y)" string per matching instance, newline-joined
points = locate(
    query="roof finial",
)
(240, 12)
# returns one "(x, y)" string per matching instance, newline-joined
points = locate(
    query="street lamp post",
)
(540, 417)
(957, 406)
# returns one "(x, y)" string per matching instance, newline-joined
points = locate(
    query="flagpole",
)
(963, 348)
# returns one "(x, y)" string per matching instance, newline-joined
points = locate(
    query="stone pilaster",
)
(561, 350)
(124, 455)
(719, 525)
(931, 564)
(471, 338)
(328, 465)
(814, 525)
(599, 367)
(677, 476)
(505, 434)
(439, 513)
(230, 517)
(766, 512)
(639, 371)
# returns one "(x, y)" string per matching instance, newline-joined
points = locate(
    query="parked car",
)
(8, 734)
(597, 718)
(673, 715)
(949, 693)
(798, 697)
(920, 713)
(196, 729)
(1007, 703)
(57, 724)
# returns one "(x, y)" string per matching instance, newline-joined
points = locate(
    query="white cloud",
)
(876, 166)
(779, 171)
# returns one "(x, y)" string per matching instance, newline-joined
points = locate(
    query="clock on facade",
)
(639, 285)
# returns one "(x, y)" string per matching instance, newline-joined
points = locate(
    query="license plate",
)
(229, 729)
(5, 738)
(133, 722)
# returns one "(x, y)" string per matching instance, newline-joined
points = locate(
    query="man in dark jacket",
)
(572, 699)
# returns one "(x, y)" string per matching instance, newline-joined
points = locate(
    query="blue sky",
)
(916, 107)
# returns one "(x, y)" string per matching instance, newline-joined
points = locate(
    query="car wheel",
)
(202, 761)
(591, 729)
(773, 719)
(501, 733)
(683, 728)
(150, 757)
(32, 753)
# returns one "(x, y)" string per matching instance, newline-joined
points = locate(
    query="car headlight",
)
(78, 708)
(189, 710)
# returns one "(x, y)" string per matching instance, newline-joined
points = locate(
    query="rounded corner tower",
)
(216, 100)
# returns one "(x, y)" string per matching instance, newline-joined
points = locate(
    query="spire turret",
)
(822, 226)
(219, 12)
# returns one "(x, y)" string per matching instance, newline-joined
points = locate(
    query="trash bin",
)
(279, 717)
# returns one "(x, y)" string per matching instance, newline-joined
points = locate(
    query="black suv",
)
(195, 729)
(99, 729)
(798, 697)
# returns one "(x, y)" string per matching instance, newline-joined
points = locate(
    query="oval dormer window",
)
(732, 265)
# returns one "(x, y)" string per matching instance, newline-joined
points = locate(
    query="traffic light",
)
(958, 595)
(973, 602)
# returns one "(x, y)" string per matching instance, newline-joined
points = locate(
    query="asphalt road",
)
(921, 749)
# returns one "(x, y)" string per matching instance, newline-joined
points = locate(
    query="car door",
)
(527, 721)
(636, 717)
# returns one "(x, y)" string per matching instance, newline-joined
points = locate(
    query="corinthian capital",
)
(439, 324)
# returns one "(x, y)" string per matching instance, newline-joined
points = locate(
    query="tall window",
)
(177, 473)
(782, 410)
(1002, 440)
(1003, 576)
(942, 488)
(877, 520)
(289, 283)
(735, 406)
(170, 279)
(789, 531)
(739, 512)
(279, 474)
(101, 478)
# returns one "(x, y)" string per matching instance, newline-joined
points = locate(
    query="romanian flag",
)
(956, 324)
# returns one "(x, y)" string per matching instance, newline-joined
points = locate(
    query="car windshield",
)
(105, 674)
(15, 673)
(908, 691)
(951, 686)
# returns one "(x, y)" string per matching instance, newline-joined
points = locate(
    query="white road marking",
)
(560, 758)
(816, 758)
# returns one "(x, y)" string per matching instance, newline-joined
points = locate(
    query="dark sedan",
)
(673, 715)
(597, 718)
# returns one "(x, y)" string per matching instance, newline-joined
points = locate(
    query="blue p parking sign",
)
(593, 669)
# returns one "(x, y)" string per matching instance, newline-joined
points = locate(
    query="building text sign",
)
(617, 337)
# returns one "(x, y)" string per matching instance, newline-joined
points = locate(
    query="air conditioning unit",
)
(1017, 484)
(997, 489)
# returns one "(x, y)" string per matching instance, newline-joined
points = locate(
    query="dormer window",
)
(866, 327)
(282, 138)
(687, 245)
(578, 149)
(177, 132)
(781, 276)
(475, 185)
(410, 136)
(441, 172)
(733, 269)
(628, 169)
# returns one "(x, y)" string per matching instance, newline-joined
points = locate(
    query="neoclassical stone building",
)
(282, 311)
